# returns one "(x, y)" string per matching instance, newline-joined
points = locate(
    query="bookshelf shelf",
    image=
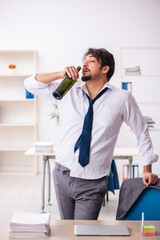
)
(17, 100)
(18, 114)
(138, 76)
(10, 76)
(150, 130)
(13, 149)
(17, 124)
(149, 103)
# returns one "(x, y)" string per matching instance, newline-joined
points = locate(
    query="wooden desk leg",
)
(49, 182)
(43, 183)
(130, 167)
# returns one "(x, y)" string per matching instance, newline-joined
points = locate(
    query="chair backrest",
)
(149, 203)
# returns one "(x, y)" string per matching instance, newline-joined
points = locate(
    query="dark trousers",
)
(78, 198)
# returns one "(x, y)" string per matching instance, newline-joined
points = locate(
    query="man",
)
(91, 115)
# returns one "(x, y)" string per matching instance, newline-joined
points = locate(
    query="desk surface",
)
(117, 152)
(64, 230)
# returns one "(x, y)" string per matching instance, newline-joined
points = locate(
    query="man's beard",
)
(86, 78)
(91, 77)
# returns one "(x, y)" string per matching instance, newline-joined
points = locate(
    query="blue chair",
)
(149, 203)
(135, 198)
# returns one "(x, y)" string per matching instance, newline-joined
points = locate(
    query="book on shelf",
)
(127, 86)
(43, 146)
(29, 225)
(29, 95)
(149, 121)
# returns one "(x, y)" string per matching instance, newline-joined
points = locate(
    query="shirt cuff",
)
(147, 160)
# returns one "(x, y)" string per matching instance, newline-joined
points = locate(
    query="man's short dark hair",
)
(104, 57)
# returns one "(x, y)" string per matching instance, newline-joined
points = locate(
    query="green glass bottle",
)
(64, 86)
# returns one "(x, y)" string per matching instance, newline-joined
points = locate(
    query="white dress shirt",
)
(110, 110)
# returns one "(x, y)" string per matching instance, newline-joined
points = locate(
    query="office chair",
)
(113, 181)
(136, 198)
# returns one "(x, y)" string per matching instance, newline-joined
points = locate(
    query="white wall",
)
(62, 30)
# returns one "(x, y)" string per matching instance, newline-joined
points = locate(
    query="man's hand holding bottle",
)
(71, 71)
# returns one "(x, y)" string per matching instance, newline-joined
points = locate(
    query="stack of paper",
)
(133, 71)
(29, 225)
(43, 147)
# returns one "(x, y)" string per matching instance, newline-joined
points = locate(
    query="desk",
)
(64, 230)
(45, 162)
(119, 153)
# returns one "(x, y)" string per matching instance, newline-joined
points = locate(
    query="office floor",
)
(23, 192)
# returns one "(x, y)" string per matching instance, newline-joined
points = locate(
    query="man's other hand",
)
(149, 178)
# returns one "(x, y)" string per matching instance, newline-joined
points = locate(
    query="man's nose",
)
(85, 64)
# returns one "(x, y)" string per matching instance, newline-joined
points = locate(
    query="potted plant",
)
(12, 68)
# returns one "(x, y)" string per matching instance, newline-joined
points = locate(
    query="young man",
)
(91, 115)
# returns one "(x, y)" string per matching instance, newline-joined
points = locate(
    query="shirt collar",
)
(82, 86)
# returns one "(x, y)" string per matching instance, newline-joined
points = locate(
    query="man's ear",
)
(106, 69)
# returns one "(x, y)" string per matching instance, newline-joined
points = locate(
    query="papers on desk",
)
(43, 146)
(29, 225)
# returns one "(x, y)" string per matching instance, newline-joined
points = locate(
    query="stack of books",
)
(133, 71)
(29, 225)
(149, 121)
(43, 146)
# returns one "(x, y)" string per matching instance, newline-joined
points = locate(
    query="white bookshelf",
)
(18, 114)
(145, 86)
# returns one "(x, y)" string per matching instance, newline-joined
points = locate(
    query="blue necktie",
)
(84, 140)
